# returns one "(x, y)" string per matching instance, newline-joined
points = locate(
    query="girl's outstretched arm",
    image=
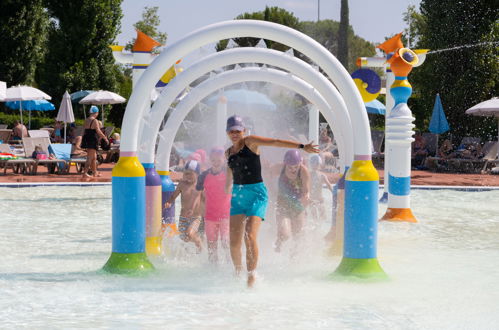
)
(253, 142)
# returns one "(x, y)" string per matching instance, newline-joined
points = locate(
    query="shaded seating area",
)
(469, 157)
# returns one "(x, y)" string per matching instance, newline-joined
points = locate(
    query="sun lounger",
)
(19, 165)
(63, 151)
(5, 135)
(431, 141)
(29, 148)
(466, 165)
(3, 126)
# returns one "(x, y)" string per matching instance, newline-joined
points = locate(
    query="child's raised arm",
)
(173, 196)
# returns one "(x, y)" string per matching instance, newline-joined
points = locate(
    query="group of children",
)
(205, 205)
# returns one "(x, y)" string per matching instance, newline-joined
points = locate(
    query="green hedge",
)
(36, 121)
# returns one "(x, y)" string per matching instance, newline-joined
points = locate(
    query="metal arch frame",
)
(221, 80)
(337, 108)
(249, 28)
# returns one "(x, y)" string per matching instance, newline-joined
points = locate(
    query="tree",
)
(343, 34)
(78, 55)
(326, 31)
(415, 26)
(463, 64)
(24, 30)
(149, 25)
(272, 14)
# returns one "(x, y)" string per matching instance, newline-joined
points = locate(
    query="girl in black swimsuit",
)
(90, 141)
(249, 195)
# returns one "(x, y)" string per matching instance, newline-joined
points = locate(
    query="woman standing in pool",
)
(249, 195)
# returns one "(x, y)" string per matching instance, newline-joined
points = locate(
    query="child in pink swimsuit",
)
(217, 203)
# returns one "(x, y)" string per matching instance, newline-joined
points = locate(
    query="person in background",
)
(57, 133)
(19, 131)
(292, 196)
(317, 181)
(216, 203)
(419, 151)
(90, 142)
(115, 139)
(190, 213)
(249, 195)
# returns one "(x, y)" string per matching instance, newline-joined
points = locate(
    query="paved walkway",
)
(418, 177)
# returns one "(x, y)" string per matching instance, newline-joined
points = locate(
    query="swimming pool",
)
(444, 272)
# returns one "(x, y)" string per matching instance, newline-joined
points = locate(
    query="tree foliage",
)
(326, 31)
(467, 73)
(343, 34)
(23, 26)
(270, 14)
(78, 54)
(149, 25)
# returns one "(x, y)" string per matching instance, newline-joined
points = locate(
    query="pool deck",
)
(418, 178)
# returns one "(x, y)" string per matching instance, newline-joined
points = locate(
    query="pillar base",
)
(396, 214)
(153, 246)
(128, 264)
(364, 269)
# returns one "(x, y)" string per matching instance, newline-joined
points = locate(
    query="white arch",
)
(241, 55)
(228, 78)
(248, 28)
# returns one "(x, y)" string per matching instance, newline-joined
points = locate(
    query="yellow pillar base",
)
(153, 246)
(400, 215)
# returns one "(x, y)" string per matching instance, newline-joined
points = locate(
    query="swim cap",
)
(192, 165)
(315, 160)
(93, 109)
(292, 157)
(235, 123)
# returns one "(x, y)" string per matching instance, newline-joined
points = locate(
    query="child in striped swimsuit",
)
(190, 213)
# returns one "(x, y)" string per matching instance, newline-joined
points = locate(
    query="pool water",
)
(444, 272)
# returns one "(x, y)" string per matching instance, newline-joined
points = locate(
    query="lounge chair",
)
(5, 135)
(39, 133)
(19, 165)
(479, 165)
(63, 151)
(431, 140)
(489, 159)
(50, 130)
(29, 148)
(3, 126)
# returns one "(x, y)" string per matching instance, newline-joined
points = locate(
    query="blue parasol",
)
(36, 105)
(438, 122)
(31, 105)
(76, 97)
(375, 107)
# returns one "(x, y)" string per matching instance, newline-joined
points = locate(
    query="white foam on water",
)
(443, 272)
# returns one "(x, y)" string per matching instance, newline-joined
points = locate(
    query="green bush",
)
(36, 121)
